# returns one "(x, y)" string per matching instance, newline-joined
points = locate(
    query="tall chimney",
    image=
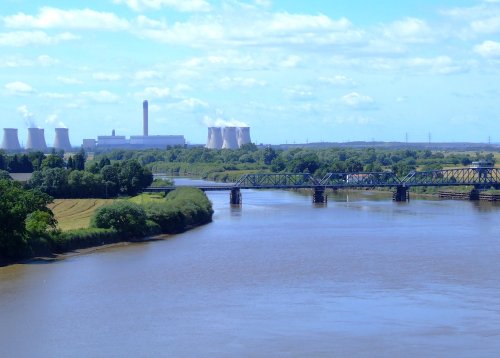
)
(145, 118)
(61, 140)
(10, 139)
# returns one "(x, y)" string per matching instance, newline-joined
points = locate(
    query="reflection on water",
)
(278, 276)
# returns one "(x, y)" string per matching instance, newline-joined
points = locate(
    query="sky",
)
(294, 71)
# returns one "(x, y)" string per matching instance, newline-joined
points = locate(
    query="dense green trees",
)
(125, 177)
(24, 219)
(204, 162)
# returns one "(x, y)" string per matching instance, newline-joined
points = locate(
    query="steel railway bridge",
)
(480, 178)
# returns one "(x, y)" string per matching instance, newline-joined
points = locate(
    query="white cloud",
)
(409, 30)
(156, 92)
(291, 61)
(146, 75)
(69, 80)
(101, 96)
(55, 95)
(189, 105)
(18, 87)
(443, 65)
(180, 5)
(104, 76)
(222, 122)
(248, 82)
(338, 80)
(299, 93)
(26, 38)
(489, 25)
(46, 60)
(50, 18)
(357, 101)
(488, 49)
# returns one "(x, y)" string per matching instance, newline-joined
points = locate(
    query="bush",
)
(181, 209)
(82, 238)
(127, 218)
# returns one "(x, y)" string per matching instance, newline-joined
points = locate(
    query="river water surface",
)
(362, 276)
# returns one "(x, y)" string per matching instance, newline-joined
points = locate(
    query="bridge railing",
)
(299, 180)
(362, 179)
(464, 176)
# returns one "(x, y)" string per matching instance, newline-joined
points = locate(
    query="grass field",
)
(76, 213)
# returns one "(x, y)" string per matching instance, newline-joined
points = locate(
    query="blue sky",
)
(294, 71)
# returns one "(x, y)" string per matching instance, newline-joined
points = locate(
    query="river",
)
(362, 276)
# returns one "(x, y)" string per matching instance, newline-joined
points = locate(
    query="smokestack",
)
(243, 136)
(10, 139)
(61, 140)
(214, 140)
(229, 138)
(145, 118)
(36, 139)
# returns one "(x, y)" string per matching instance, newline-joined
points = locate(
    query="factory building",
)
(143, 141)
(228, 137)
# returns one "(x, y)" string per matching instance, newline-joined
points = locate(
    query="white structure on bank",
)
(10, 139)
(214, 140)
(36, 139)
(227, 137)
(243, 136)
(61, 140)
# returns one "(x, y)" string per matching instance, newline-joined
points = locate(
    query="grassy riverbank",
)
(85, 223)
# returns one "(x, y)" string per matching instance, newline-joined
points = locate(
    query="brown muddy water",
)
(362, 276)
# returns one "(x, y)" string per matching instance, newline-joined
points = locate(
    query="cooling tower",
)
(229, 138)
(10, 139)
(243, 136)
(145, 118)
(36, 139)
(61, 140)
(214, 140)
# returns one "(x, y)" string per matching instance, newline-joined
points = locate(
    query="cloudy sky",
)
(294, 71)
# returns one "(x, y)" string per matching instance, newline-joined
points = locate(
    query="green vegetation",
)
(228, 165)
(26, 221)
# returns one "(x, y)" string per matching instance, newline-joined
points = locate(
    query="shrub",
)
(127, 218)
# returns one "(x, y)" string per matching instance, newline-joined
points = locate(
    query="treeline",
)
(206, 162)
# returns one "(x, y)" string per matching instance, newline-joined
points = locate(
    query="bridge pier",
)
(401, 194)
(319, 196)
(235, 196)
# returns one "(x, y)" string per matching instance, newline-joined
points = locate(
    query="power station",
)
(228, 137)
(144, 141)
(10, 140)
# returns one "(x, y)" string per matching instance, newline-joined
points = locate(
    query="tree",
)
(16, 204)
(53, 161)
(269, 155)
(123, 216)
(133, 177)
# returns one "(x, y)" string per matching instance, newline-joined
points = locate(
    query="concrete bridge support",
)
(401, 194)
(319, 196)
(235, 196)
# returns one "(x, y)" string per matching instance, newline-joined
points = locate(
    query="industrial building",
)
(228, 137)
(144, 141)
(10, 139)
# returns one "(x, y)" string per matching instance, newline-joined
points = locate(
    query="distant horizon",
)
(311, 71)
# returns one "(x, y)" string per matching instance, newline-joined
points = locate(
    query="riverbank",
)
(139, 219)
